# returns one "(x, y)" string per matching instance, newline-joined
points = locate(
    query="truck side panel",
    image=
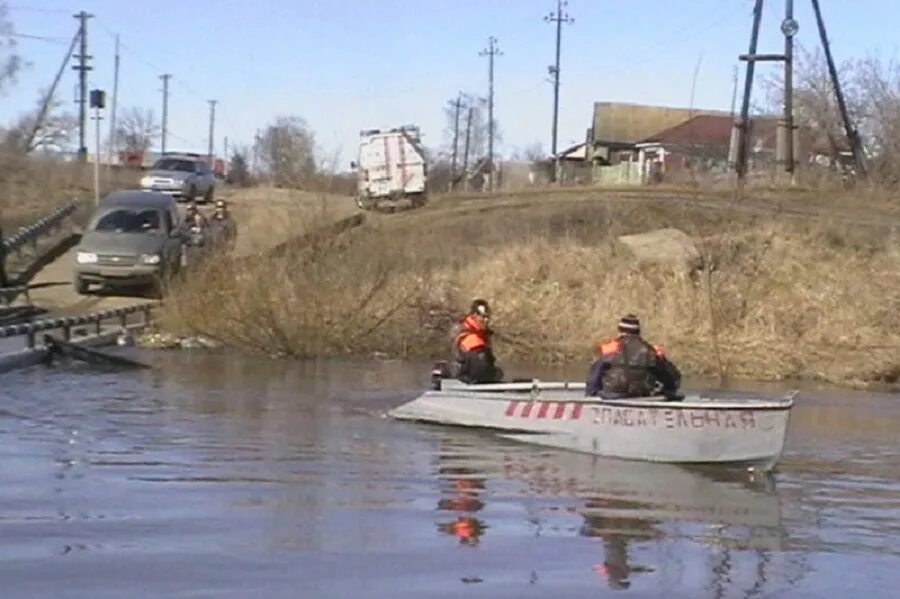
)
(390, 165)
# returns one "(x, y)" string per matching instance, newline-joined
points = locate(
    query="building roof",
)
(715, 130)
(576, 152)
(622, 123)
(706, 129)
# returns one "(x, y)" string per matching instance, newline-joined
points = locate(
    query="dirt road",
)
(265, 218)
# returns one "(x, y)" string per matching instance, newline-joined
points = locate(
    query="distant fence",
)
(66, 324)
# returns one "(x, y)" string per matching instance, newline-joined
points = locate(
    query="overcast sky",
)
(347, 65)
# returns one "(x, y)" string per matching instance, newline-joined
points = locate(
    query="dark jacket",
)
(628, 366)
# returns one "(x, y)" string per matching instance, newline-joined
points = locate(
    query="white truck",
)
(391, 168)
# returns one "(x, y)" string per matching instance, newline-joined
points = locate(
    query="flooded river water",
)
(222, 476)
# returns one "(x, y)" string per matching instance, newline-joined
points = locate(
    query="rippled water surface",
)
(218, 476)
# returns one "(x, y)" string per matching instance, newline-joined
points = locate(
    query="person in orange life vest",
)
(628, 366)
(472, 352)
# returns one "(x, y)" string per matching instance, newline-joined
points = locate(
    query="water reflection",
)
(461, 490)
(246, 476)
(621, 504)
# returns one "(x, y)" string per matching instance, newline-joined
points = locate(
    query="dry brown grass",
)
(32, 186)
(778, 298)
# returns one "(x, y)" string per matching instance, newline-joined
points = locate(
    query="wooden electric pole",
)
(165, 111)
(849, 129)
(743, 125)
(491, 51)
(82, 67)
(559, 18)
(212, 130)
(465, 169)
(457, 105)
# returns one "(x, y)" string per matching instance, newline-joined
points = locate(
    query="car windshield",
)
(126, 220)
(174, 164)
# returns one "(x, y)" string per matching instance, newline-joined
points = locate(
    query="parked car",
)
(182, 176)
(133, 238)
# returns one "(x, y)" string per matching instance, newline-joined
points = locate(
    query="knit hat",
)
(481, 307)
(630, 324)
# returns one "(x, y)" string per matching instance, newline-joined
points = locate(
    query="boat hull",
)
(693, 431)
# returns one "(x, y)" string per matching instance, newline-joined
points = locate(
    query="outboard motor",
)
(439, 371)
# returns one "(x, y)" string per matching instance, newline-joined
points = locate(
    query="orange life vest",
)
(609, 347)
(473, 335)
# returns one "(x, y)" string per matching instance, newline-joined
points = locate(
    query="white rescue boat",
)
(694, 430)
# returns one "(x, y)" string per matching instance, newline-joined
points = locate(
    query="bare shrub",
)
(789, 298)
(287, 151)
(43, 127)
(239, 169)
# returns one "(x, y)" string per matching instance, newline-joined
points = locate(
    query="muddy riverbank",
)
(766, 297)
(233, 476)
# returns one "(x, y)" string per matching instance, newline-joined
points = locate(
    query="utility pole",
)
(457, 104)
(785, 140)
(491, 51)
(559, 18)
(734, 87)
(849, 129)
(743, 125)
(212, 129)
(165, 109)
(82, 67)
(225, 151)
(256, 141)
(48, 98)
(98, 102)
(112, 111)
(465, 169)
(789, 29)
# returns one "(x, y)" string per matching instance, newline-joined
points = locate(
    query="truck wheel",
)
(192, 194)
(81, 286)
(209, 194)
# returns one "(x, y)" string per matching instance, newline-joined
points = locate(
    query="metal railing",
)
(66, 324)
(9, 294)
(30, 233)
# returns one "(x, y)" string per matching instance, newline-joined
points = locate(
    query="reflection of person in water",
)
(616, 533)
(464, 500)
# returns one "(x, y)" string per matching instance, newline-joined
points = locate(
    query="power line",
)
(49, 11)
(61, 41)
(173, 79)
(686, 32)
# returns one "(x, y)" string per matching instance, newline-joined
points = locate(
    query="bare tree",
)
(287, 151)
(10, 61)
(478, 133)
(53, 132)
(137, 130)
(877, 103)
(239, 169)
(815, 106)
(872, 92)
